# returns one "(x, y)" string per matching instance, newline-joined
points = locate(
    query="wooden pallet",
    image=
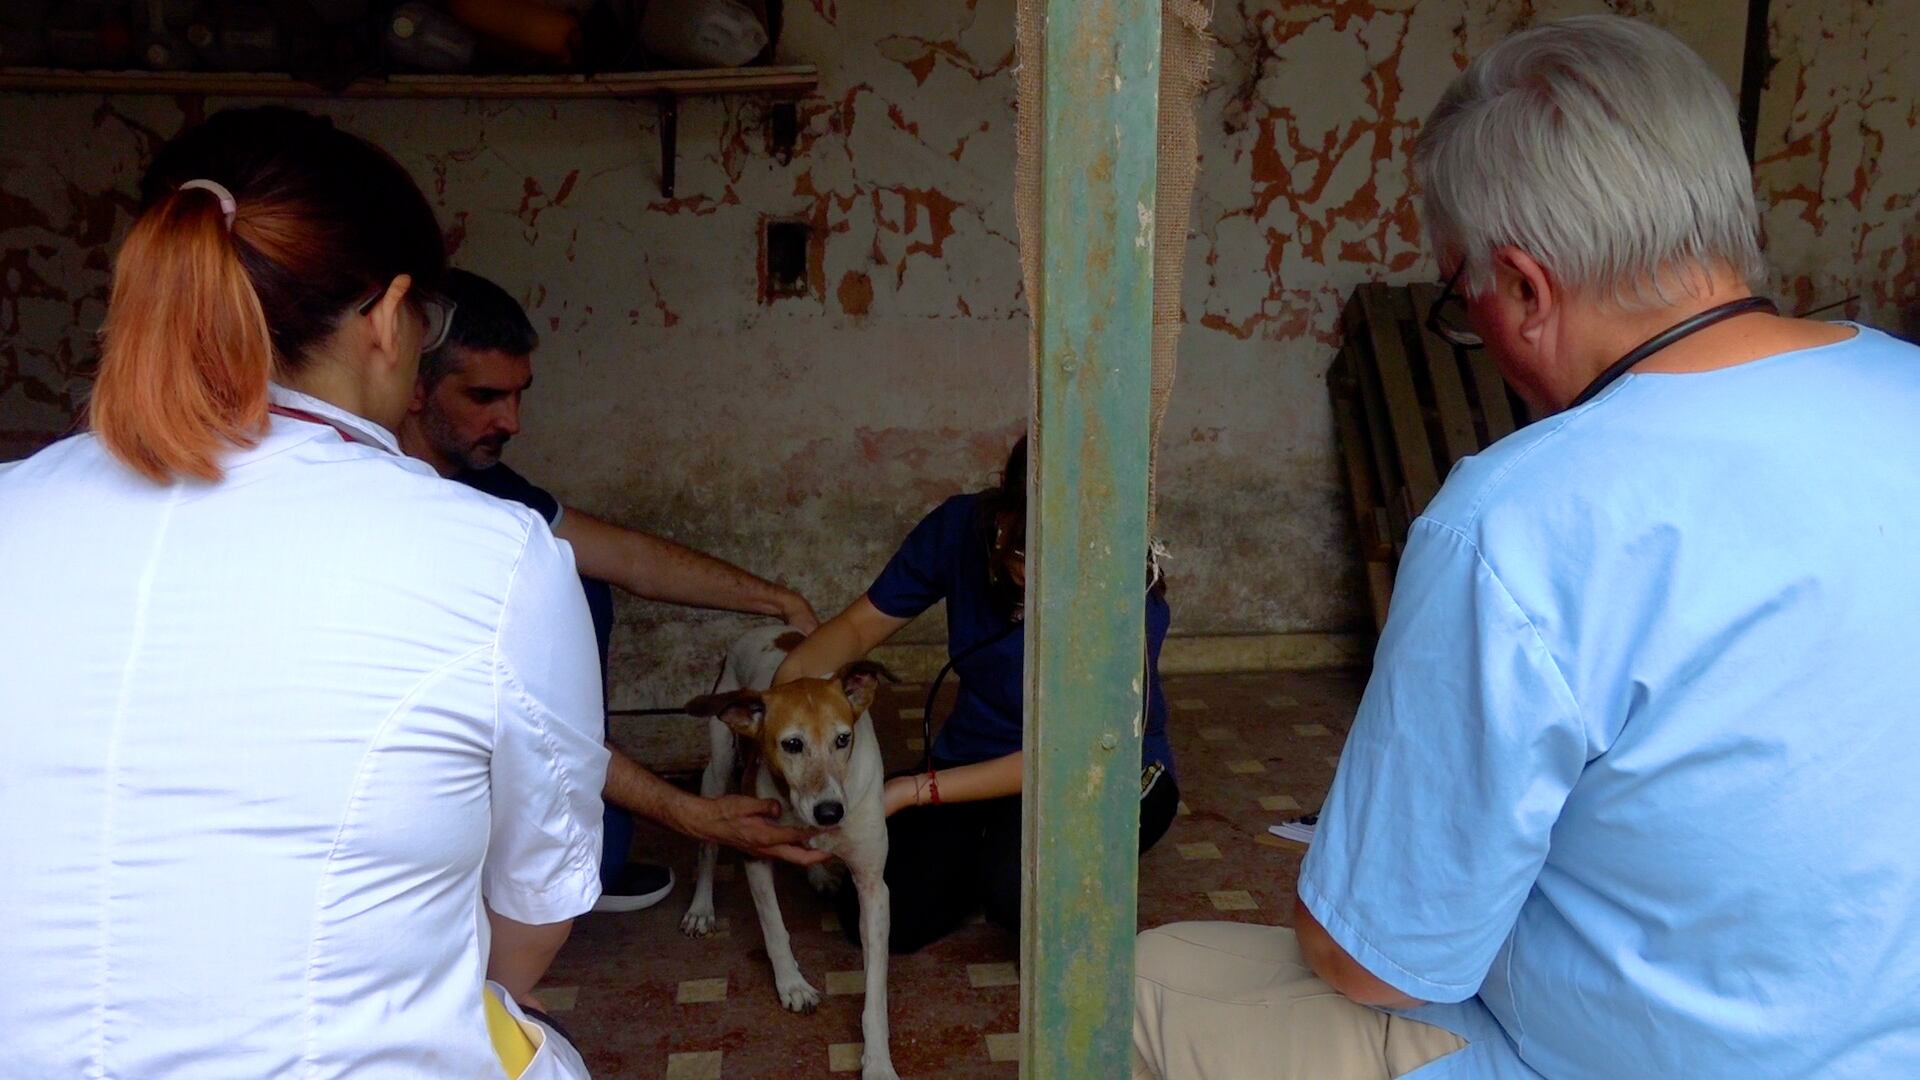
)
(1406, 406)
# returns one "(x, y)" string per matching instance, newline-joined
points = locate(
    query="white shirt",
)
(264, 744)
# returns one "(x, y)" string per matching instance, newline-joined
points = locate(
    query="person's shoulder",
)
(1482, 483)
(1868, 339)
(1648, 426)
(956, 518)
(1890, 360)
(83, 447)
(502, 482)
(77, 466)
(427, 511)
(964, 506)
(499, 478)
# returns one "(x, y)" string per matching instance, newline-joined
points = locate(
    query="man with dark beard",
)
(465, 409)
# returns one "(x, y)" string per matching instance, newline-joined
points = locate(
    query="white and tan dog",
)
(818, 758)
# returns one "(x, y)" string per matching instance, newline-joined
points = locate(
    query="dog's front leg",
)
(876, 915)
(795, 992)
(698, 921)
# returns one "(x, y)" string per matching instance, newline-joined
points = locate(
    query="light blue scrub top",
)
(1635, 785)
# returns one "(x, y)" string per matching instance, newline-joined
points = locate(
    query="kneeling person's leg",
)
(1158, 806)
(1213, 1001)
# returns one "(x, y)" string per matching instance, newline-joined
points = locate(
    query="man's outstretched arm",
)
(736, 821)
(657, 569)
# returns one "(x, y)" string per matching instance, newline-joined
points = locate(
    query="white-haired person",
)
(1631, 789)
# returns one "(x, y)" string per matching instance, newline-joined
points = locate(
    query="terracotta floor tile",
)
(1004, 1047)
(701, 991)
(844, 1057)
(701, 1065)
(1233, 900)
(980, 976)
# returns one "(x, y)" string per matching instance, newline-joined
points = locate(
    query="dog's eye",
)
(792, 744)
(843, 740)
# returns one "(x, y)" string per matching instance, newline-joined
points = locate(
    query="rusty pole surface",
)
(1085, 633)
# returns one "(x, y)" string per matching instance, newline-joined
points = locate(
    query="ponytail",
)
(258, 231)
(187, 354)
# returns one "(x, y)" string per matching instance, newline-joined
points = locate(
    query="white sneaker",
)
(637, 887)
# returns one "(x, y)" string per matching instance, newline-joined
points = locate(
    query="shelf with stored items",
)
(664, 88)
(784, 80)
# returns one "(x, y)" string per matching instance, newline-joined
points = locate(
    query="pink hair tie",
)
(227, 205)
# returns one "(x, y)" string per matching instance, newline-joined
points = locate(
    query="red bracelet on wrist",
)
(933, 788)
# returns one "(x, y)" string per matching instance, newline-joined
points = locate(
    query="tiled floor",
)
(643, 1001)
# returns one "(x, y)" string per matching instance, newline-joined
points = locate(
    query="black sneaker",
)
(636, 887)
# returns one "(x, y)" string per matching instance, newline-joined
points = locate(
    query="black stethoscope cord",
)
(1690, 325)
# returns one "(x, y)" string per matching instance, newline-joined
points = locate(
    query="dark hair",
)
(1003, 521)
(1002, 518)
(1009, 496)
(205, 309)
(488, 318)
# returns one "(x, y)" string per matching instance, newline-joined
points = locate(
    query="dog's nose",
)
(829, 813)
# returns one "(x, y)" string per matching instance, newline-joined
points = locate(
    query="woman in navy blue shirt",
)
(954, 832)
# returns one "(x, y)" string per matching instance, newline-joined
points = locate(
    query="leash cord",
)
(933, 691)
(1156, 551)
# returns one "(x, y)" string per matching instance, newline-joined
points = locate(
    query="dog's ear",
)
(860, 681)
(741, 710)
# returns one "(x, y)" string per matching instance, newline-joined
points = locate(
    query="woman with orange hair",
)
(303, 751)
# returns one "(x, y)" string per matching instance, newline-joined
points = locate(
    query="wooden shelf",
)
(641, 84)
(665, 88)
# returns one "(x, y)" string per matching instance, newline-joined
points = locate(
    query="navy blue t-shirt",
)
(503, 483)
(945, 558)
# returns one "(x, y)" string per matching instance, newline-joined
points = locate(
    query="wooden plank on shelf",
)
(1376, 541)
(1386, 465)
(1449, 391)
(639, 84)
(1379, 591)
(1492, 391)
(1407, 406)
(1372, 315)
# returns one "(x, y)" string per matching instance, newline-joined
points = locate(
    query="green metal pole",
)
(1087, 533)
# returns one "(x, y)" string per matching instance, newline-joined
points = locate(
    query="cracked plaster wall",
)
(803, 437)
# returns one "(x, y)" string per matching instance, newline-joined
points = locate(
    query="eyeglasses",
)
(1448, 315)
(436, 311)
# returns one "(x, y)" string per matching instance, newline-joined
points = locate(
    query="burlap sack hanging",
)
(1186, 53)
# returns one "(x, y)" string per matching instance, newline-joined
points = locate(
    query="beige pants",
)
(1232, 1001)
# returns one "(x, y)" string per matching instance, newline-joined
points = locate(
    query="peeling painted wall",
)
(802, 437)
(1837, 160)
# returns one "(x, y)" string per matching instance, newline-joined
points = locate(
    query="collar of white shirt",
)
(359, 427)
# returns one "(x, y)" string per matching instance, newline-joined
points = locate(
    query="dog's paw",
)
(797, 994)
(698, 921)
(877, 1070)
(826, 878)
